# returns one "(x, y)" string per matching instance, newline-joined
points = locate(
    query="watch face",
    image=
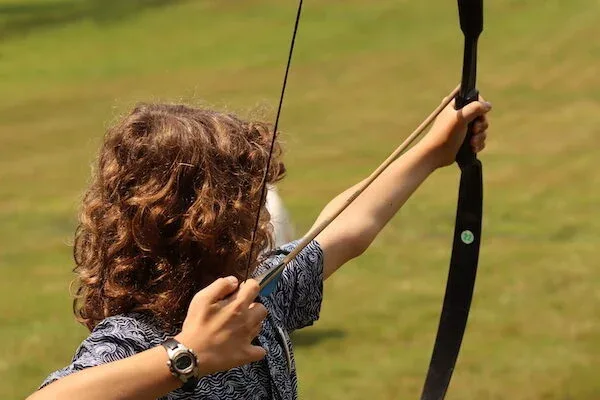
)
(183, 362)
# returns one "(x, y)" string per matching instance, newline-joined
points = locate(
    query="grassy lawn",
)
(364, 75)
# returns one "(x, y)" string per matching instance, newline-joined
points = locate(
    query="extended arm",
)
(354, 230)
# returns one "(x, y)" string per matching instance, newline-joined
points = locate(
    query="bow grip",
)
(466, 156)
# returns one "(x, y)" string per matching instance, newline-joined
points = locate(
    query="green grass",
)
(365, 73)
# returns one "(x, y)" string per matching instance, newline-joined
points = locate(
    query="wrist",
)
(203, 357)
(430, 155)
(166, 374)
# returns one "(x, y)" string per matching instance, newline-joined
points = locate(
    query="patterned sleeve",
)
(299, 292)
(113, 339)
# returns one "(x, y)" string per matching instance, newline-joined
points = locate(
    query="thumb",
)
(475, 109)
(219, 289)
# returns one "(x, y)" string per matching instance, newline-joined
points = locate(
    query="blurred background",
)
(364, 75)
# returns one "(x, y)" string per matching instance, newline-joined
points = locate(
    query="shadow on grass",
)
(312, 337)
(21, 18)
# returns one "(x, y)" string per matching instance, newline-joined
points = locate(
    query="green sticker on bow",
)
(467, 237)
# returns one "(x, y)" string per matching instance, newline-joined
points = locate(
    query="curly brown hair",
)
(170, 208)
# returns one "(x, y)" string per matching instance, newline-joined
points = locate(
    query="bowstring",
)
(263, 192)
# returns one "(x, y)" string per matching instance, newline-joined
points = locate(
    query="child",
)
(171, 208)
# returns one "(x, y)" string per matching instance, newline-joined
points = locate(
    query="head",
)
(171, 207)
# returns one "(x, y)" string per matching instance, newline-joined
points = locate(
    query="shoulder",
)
(122, 335)
(132, 325)
(297, 298)
(308, 262)
(114, 338)
(312, 254)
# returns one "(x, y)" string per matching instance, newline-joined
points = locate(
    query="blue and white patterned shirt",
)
(295, 304)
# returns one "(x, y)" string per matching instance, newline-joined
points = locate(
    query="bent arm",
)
(142, 376)
(349, 235)
(219, 327)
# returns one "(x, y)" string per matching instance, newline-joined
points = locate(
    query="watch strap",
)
(170, 344)
(190, 384)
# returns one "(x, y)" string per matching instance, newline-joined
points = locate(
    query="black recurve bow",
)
(467, 235)
(467, 231)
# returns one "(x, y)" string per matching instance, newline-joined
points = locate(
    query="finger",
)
(219, 289)
(255, 331)
(478, 147)
(482, 136)
(480, 125)
(473, 110)
(255, 353)
(478, 138)
(256, 313)
(248, 292)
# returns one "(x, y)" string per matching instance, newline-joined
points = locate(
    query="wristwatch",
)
(182, 363)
